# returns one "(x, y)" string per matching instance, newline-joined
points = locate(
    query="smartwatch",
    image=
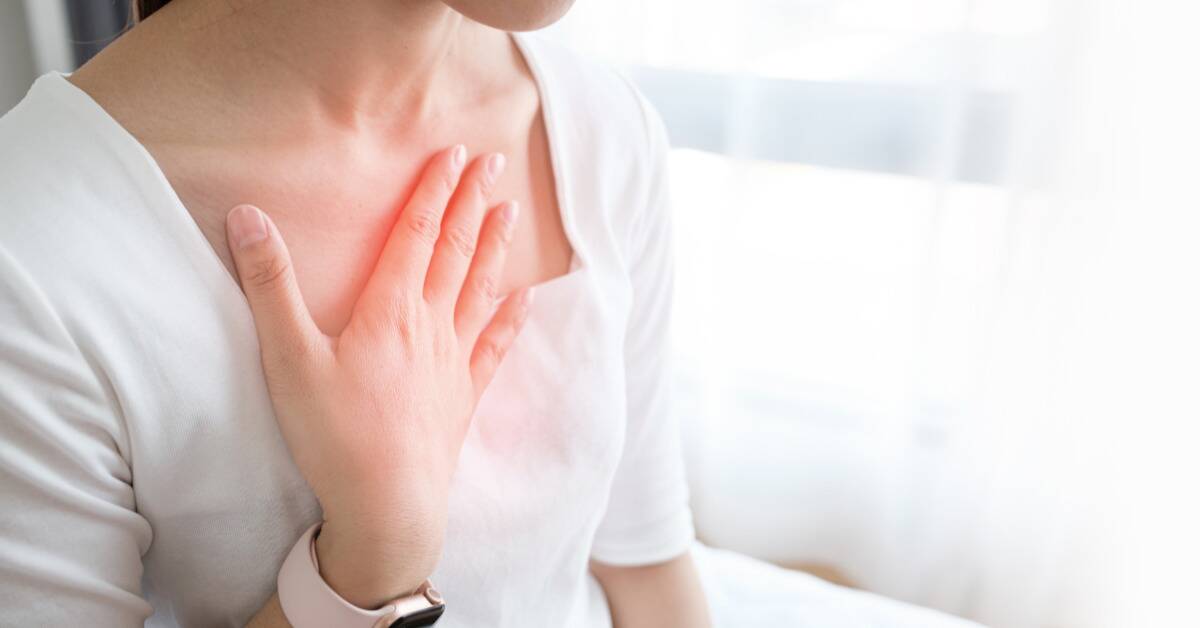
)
(308, 602)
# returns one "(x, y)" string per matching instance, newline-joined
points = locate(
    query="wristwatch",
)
(308, 602)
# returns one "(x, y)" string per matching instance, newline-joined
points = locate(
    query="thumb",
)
(285, 328)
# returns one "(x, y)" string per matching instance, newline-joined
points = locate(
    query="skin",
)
(332, 117)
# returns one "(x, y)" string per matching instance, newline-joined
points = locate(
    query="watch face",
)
(427, 617)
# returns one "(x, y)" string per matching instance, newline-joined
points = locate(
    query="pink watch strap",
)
(308, 602)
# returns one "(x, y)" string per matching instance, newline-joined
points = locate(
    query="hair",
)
(144, 8)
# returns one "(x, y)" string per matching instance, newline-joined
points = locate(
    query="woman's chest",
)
(335, 213)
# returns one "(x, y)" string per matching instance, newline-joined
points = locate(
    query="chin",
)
(512, 15)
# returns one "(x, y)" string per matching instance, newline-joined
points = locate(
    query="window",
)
(847, 180)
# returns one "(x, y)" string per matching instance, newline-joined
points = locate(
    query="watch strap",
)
(309, 602)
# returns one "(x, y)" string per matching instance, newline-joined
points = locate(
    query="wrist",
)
(369, 565)
(308, 601)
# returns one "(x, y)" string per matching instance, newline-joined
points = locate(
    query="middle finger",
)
(460, 231)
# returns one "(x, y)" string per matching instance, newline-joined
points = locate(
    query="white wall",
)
(16, 56)
(34, 39)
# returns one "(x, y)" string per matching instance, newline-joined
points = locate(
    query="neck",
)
(357, 64)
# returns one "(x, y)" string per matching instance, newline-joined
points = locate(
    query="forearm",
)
(665, 595)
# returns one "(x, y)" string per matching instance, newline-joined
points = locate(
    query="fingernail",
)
(509, 213)
(246, 225)
(495, 164)
(458, 156)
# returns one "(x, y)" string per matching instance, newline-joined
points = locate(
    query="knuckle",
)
(462, 240)
(447, 181)
(503, 236)
(291, 360)
(390, 315)
(489, 350)
(398, 314)
(424, 224)
(267, 272)
(485, 286)
(292, 353)
(520, 317)
(445, 341)
(483, 186)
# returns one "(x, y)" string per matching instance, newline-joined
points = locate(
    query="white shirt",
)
(142, 474)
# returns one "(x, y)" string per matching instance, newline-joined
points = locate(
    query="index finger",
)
(409, 247)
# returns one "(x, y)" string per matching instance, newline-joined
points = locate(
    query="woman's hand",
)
(375, 418)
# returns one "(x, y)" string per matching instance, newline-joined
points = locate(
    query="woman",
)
(171, 433)
(254, 367)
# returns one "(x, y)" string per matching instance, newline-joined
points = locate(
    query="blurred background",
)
(937, 285)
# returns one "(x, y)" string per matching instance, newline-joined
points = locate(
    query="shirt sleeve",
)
(70, 539)
(648, 519)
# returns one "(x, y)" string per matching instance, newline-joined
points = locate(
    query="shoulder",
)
(39, 149)
(41, 134)
(71, 217)
(65, 180)
(598, 103)
(612, 136)
(52, 163)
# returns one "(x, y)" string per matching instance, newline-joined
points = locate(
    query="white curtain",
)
(937, 289)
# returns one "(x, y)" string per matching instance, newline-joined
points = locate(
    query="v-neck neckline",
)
(176, 217)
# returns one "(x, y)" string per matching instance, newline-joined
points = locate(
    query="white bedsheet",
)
(744, 592)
